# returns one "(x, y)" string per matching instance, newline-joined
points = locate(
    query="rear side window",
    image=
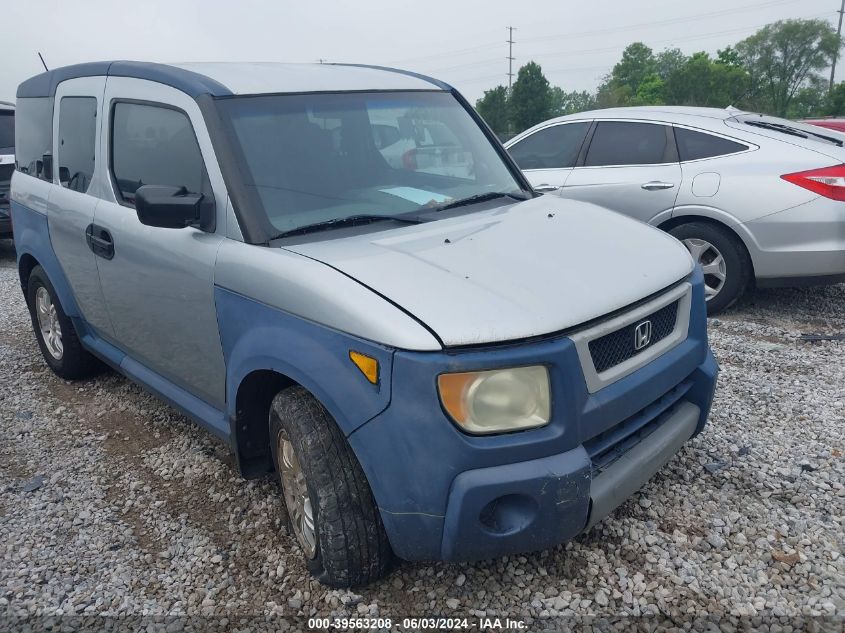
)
(623, 143)
(34, 136)
(553, 147)
(77, 131)
(154, 145)
(7, 130)
(694, 145)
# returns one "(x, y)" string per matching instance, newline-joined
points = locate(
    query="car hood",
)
(522, 270)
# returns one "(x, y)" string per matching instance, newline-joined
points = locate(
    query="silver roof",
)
(268, 77)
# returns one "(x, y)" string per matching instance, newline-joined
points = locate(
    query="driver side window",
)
(154, 145)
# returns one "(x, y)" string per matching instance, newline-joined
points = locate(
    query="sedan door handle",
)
(544, 188)
(656, 185)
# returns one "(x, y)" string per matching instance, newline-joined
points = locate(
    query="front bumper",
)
(446, 495)
(796, 246)
(540, 503)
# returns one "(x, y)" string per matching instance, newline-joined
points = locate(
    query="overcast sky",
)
(460, 41)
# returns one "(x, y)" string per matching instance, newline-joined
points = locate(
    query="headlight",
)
(497, 401)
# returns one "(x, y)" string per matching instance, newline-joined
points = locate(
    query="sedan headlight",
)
(497, 401)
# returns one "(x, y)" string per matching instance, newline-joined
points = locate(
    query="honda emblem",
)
(642, 335)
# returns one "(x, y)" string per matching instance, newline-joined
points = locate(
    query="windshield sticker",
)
(420, 196)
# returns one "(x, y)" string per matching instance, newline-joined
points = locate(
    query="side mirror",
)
(64, 175)
(169, 207)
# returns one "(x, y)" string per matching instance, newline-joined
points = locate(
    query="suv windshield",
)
(315, 158)
(7, 128)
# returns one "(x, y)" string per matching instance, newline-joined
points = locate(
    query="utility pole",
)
(510, 52)
(511, 29)
(838, 40)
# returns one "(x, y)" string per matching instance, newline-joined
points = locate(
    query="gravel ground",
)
(113, 503)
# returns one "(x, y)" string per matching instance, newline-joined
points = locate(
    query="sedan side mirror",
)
(169, 207)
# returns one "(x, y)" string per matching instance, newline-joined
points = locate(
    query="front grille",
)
(618, 346)
(607, 447)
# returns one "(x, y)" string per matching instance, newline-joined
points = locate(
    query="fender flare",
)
(32, 238)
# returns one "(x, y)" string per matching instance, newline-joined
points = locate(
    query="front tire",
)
(725, 262)
(330, 506)
(55, 332)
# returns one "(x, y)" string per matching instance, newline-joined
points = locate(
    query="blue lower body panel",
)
(528, 505)
(517, 507)
(447, 495)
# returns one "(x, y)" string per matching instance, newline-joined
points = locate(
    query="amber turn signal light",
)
(367, 364)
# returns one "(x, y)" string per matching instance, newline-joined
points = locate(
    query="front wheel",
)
(723, 259)
(330, 506)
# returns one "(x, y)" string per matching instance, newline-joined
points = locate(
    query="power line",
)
(684, 38)
(461, 51)
(678, 20)
(618, 47)
(703, 36)
(580, 34)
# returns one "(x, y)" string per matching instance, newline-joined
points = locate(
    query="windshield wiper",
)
(824, 137)
(780, 127)
(481, 197)
(352, 220)
(768, 125)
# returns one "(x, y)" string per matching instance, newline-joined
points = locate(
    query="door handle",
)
(544, 188)
(99, 241)
(656, 185)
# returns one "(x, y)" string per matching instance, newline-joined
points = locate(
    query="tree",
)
(728, 57)
(610, 94)
(668, 61)
(785, 56)
(809, 101)
(651, 92)
(836, 100)
(531, 97)
(637, 64)
(493, 108)
(571, 102)
(701, 81)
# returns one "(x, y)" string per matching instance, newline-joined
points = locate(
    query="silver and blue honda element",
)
(339, 272)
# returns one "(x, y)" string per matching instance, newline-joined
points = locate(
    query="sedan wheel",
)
(712, 264)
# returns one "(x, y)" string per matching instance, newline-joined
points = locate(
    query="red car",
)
(831, 124)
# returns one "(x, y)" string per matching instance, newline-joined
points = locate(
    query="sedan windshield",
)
(317, 158)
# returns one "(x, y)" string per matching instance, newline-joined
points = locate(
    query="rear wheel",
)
(330, 507)
(55, 332)
(723, 260)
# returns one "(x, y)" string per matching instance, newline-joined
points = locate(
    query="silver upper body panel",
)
(520, 270)
(266, 78)
(523, 270)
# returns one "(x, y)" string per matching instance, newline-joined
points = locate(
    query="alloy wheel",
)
(48, 323)
(712, 264)
(297, 499)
